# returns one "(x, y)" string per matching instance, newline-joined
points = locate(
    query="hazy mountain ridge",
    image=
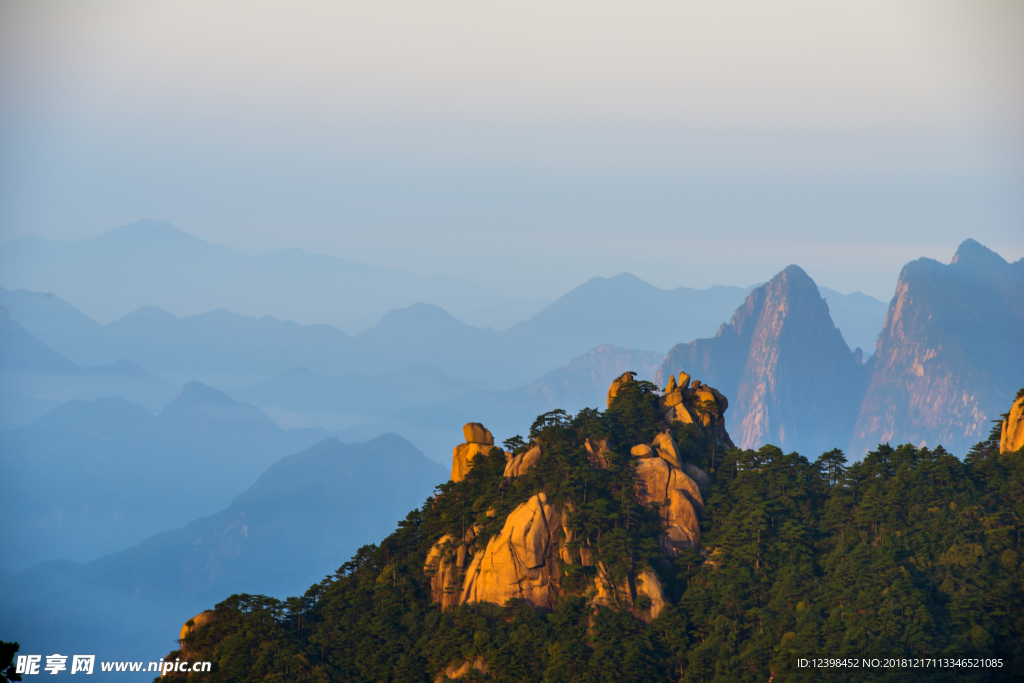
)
(580, 383)
(230, 350)
(304, 398)
(153, 263)
(304, 516)
(92, 477)
(35, 379)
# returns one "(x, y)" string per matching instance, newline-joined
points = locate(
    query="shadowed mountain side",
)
(581, 383)
(797, 384)
(56, 323)
(304, 517)
(154, 263)
(949, 359)
(35, 379)
(93, 477)
(301, 398)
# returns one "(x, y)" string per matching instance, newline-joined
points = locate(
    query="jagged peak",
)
(795, 275)
(976, 256)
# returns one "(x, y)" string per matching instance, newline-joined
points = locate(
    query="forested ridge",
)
(910, 551)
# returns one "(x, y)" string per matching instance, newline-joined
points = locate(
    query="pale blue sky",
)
(530, 145)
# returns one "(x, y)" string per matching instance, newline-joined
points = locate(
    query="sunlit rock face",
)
(949, 357)
(520, 561)
(1011, 435)
(795, 382)
(478, 440)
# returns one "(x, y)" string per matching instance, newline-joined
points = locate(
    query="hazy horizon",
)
(527, 147)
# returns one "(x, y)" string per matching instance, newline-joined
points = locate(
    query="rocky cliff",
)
(1011, 432)
(796, 383)
(949, 358)
(535, 552)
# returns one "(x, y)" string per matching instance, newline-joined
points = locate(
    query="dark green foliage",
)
(7, 652)
(907, 552)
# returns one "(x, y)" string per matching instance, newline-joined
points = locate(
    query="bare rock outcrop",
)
(613, 390)
(474, 432)
(1011, 436)
(518, 563)
(194, 624)
(440, 566)
(666, 448)
(598, 453)
(678, 499)
(642, 451)
(457, 670)
(628, 595)
(697, 404)
(478, 440)
(518, 465)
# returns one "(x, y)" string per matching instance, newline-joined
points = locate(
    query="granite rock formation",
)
(525, 560)
(1011, 433)
(478, 440)
(518, 465)
(796, 383)
(191, 626)
(948, 360)
(699, 405)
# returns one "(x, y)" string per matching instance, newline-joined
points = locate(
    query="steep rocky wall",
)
(948, 359)
(1011, 433)
(796, 383)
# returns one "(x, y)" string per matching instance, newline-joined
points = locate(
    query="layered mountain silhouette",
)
(229, 350)
(796, 383)
(35, 379)
(949, 359)
(153, 263)
(581, 383)
(301, 520)
(92, 477)
(300, 397)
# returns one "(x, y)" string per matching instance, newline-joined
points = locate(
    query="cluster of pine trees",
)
(910, 552)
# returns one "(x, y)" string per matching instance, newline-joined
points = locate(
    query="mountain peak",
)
(198, 396)
(417, 316)
(976, 256)
(796, 275)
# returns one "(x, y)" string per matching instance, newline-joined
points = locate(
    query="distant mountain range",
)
(580, 383)
(35, 379)
(233, 351)
(152, 263)
(302, 519)
(92, 477)
(946, 364)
